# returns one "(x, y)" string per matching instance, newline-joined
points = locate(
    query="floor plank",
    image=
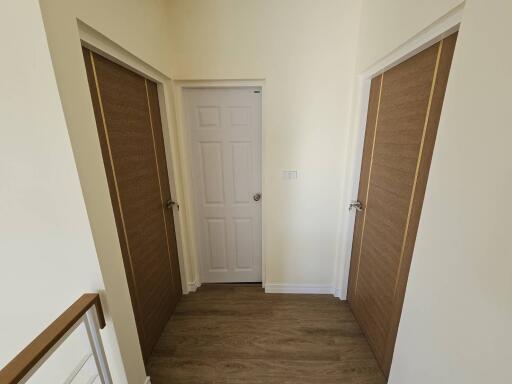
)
(234, 334)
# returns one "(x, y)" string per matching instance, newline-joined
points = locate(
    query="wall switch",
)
(290, 175)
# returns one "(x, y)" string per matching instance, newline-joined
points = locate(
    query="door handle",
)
(170, 203)
(355, 204)
(257, 197)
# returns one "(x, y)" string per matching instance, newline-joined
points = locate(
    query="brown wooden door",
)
(403, 115)
(130, 132)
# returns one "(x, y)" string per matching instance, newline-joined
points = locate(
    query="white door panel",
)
(224, 133)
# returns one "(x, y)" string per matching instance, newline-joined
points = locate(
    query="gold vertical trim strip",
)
(100, 102)
(159, 181)
(368, 187)
(418, 163)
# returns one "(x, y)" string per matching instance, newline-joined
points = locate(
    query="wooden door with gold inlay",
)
(404, 109)
(130, 133)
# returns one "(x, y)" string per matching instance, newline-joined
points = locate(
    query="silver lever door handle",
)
(170, 203)
(355, 204)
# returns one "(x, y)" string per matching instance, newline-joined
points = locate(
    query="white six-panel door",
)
(224, 134)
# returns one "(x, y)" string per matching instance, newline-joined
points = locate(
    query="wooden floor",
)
(234, 334)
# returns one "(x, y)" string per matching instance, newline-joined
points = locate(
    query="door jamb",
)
(98, 43)
(442, 28)
(179, 86)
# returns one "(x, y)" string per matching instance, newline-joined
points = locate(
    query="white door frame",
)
(442, 28)
(98, 43)
(184, 141)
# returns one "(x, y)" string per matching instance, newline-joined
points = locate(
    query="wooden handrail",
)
(18, 367)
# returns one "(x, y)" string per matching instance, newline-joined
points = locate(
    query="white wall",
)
(305, 52)
(455, 325)
(385, 25)
(141, 28)
(49, 253)
(47, 256)
(458, 308)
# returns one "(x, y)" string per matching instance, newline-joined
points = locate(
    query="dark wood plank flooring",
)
(234, 334)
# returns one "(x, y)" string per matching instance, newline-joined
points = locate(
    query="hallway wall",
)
(305, 52)
(50, 246)
(47, 255)
(457, 311)
(384, 26)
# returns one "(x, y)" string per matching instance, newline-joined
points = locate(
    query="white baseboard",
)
(288, 288)
(148, 380)
(299, 288)
(338, 292)
(192, 287)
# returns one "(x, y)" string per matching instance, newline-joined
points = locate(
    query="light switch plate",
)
(290, 175)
